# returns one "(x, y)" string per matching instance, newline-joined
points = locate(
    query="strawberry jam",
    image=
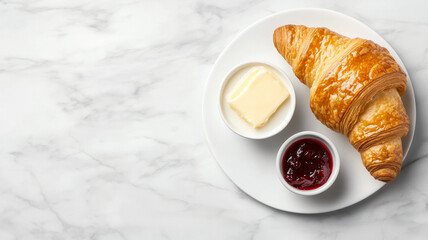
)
(307, 164)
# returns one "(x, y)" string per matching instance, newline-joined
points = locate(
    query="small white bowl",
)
(277, 122)
(334, 154)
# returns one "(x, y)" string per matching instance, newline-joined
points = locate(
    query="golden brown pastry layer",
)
(384, 161)
(383, 118)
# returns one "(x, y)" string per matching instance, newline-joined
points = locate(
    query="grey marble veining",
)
(101, 124)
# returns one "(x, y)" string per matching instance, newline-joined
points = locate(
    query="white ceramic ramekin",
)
(279, 120)
(327, 143)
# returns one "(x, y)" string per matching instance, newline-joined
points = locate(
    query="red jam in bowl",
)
(307, 164)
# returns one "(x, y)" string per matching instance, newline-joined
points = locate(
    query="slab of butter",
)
(258, 96)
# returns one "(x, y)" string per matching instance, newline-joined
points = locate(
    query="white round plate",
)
(250, 164)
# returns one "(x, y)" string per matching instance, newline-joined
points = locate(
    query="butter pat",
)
(258, 96)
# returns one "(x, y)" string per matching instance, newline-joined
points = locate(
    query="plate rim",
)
(229, 45)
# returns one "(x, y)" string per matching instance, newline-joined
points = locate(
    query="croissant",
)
(355, 89)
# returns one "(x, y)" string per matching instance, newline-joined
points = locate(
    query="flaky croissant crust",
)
(355, 90)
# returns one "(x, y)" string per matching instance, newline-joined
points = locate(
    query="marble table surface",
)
(101, 124)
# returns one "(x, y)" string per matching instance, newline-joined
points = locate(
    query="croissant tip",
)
(277, 35)
(385, 175)
(385, 179)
